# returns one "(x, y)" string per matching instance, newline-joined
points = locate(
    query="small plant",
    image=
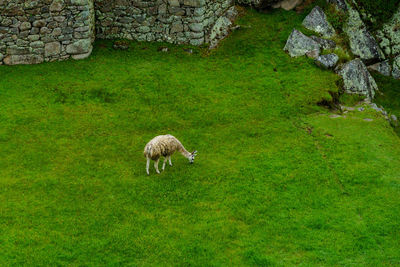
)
(337, 18)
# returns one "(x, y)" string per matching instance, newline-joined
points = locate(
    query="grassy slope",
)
(276, 180)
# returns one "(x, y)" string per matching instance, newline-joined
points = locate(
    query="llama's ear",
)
(194, 152)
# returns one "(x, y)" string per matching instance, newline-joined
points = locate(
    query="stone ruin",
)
(34, 31)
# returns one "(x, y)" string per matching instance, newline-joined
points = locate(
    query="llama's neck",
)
(183, 151)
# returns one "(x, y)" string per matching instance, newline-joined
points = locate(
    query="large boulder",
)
(383, 68)
(362, 43)
(299, 45)
(317, 21)
(357, 79)
(327, 61)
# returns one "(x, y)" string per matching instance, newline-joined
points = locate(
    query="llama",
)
(164, 145)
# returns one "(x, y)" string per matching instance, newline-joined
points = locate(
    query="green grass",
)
(389, 96)
(277, 182)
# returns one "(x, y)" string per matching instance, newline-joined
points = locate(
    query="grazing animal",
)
(165, 145)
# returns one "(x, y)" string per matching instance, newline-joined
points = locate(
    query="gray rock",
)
(382, 67)
(25, 26)
(317, 21)
(196, 27)
(327, 61)
(37, 44)
(79, 47)
(324, 43)
(357, 79)
(52, 49)
(23, 59)
(56, 6)
(375, 107)
(39, 23)
(298, 44)
(362, 43)
(174, 3)
(396, 68)
(82, 56)
(197, 42)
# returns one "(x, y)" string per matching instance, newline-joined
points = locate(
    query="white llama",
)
(165, 145)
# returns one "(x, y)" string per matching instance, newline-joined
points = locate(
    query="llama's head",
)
(192, 156)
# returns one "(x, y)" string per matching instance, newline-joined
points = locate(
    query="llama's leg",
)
(165, 160)
(170, 162)
(156, 165)
(147, 166)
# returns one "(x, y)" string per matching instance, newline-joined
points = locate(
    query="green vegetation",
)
(389, 96)
(277, 181)
(380, 10)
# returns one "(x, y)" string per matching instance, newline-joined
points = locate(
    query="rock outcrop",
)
(357, 79)
(299, 45)
(317, 21)
(362, 43)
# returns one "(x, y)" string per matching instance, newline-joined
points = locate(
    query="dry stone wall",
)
(175, 21)
(35, 31)
(45, 30)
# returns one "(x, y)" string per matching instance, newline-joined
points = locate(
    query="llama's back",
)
(162, 145)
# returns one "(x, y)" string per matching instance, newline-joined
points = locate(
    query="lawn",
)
(276, 182)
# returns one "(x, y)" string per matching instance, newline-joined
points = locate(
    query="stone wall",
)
(46, 30)
(174, 21)
(35, 31)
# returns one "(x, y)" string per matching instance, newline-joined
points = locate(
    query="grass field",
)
(276, 182)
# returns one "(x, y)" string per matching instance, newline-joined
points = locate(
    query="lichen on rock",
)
(299, 45)
(357, 79)
(317, 21)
